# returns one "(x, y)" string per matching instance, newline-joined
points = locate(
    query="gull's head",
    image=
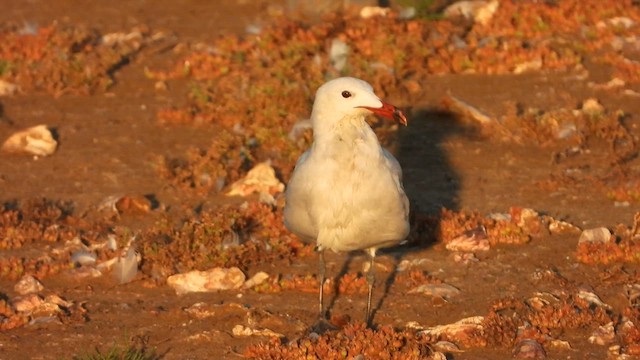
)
(350, 97)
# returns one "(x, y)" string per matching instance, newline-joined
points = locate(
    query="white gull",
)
(346, 191)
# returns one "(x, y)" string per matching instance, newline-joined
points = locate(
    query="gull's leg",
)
(370, 276)
(321, 270)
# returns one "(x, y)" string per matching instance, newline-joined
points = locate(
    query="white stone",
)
(215, 279)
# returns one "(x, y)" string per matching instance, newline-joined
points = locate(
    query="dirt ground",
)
(111, 145)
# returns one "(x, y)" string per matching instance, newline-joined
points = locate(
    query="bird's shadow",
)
(431, 183)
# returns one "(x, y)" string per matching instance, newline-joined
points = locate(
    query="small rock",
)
(529, 349)
(28, 285)
(256, 279)
(200, 310)
(479, 11)
(134, 204)
(592, 298)
(446, 346)
(541, 300)
(592, 106)
(7, 88)
(37, 140)
(407, 264)
(599, 235)
(528, 66)
(562, 227)
(560, 344)
(459, 106)
(161, 85)
(133, 38)
(615, 82)
(621, 22)
(459, 330)
(207, 281)
(406, 13)
(262, 178)
(240, 330)
(632, 293)
(374, 11)
(471, 241)
(603, 335)
(444, 291)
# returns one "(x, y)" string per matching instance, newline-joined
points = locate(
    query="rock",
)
(407, 264)
(28, 285)
(459, 106)
(621, 22)
(444, 291)
(7, 88)
(262, 178)
(592, 299)
(240, 330)
(406, 13)
(256, 279)
(599, 235)
(632, 293)
(37, 140)
(373, 11)
(471, 241)
(562, 227)
(207, 281)
(592, 107)
(615, 82)
(560, 344)
(447, 347)
(528, 66)
(315, 9)
(133, 204)
(529, 349)
(461, 331)
(527, 219)
(603, 335)
(36, 306)
(479, 11)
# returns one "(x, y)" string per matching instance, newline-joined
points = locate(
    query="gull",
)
(346, 191)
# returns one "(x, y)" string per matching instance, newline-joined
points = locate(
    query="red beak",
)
(388, 111)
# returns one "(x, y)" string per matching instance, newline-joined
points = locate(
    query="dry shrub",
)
(241, 236)
(347, 343)
(60, 59)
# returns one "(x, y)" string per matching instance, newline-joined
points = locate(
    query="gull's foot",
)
(322, 326)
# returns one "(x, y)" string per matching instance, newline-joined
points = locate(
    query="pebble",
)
(7, 88)
(603, 335)
(471, 241)
(28, 285)
(529, 349)
(444, 291)
(479, 11)
(261, 178)
(215, 279)
(37, 140)
(599, 235)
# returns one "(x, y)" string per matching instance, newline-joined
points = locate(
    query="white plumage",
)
(346, 191)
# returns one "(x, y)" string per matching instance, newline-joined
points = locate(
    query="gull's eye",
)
(346, 94)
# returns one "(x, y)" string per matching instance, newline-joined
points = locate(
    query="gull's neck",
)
(331, 134)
